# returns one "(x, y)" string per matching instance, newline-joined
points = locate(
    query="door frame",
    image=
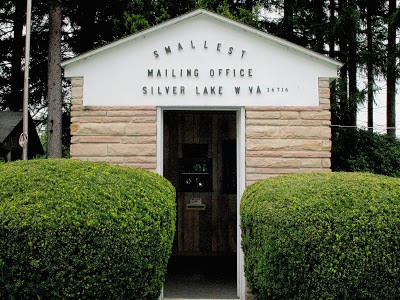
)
(240, 171)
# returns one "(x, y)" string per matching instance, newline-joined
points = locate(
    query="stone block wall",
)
(123, 135)
(282, 140)
(279, 140)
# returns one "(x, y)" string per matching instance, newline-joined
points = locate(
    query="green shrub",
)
(322, 236)
(81, 230)
(357, 150)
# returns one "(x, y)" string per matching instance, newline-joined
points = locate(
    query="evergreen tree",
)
(372, 48)
(54, 85)
(12, 20)
(16, 95)
(391, 68)
(352, 31)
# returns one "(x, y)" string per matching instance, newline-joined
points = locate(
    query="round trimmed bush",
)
(322, 236)
(80, 230)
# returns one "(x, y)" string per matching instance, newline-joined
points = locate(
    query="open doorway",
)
(199, 155)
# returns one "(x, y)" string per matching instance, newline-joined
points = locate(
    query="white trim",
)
(202, 108)
(241, 173)
(160, 141)
(160, 156)
(241, 185)
(215, 16)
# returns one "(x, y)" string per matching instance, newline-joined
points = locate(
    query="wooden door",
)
(208, 229)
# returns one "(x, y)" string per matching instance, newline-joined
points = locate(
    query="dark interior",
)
(200, 161)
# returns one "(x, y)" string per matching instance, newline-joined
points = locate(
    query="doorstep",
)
(200, 298)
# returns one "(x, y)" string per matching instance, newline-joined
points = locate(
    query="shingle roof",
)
(8, 121)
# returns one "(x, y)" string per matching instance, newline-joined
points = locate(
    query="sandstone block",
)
(132, 150)
(149, 119)
(262, 131)
(76, 108)
(312, 145)
(264, 153)
(326, 163)
(326, 106)
(278, 171)
(289, 115)
(257, 177)
(311, 163)
(315, 123)
(150, 139)
(262, 114)
(306, 154)
(90, 113)
(77, 92)
(150, 167)
(132, 113)
(327, 145)
(281, 108)
(74, 139)
(324, 92)
(265, 162)
(100, 139)
(141, 159)
(141, 129)
(76, 81)
(92, 107)
(267, 122)
(127, 108)
(250, 170)
(93, 119)
(323, 82)
(326, 123)
(273, 144)
(315, 115)
(74, 128)
(305, 132)
(112, 160)
(76, 101)
(111, 129)
(88, 150)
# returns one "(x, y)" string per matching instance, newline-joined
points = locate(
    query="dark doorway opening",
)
(200, 161)
(201, 277)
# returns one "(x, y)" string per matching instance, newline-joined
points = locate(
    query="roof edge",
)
(134, 36)
(216, 16)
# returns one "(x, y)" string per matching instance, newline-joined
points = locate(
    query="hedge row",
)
(322, 236)
(80, 230)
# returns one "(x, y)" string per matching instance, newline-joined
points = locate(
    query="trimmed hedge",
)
(322, 236)
(79, 230)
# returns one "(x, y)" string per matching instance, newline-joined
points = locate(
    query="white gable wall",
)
(279, 75)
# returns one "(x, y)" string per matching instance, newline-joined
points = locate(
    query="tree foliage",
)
(352, 31)
(358, 150)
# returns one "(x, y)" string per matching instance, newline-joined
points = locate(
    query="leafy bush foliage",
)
(360, 150)
(322, 236)
(81, 230)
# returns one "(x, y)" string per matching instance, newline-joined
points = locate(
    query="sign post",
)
(23, 141)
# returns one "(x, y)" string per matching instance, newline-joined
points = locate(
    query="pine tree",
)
(391, 69)
(54, 86)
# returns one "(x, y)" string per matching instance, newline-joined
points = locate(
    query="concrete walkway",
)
(201, 278)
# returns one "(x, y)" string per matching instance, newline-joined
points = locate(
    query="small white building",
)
(211, 104)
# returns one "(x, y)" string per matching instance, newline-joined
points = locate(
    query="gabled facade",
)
(211, 104)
